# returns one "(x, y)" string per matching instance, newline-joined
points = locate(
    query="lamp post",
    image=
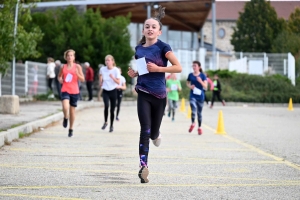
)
(13, 70)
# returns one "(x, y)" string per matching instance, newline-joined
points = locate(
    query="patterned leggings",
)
(150, 113)
(196, 107)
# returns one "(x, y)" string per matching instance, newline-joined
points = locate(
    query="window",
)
(221, 33)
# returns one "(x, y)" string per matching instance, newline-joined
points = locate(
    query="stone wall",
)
(221, 43)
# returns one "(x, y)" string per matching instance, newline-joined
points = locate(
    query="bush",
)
(252, 88)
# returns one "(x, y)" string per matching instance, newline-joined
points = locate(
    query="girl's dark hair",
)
(199, 64)
(159, 14)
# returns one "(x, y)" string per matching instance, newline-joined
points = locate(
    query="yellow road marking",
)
(38, 197)
(157, 185)
(259, 151)
(131, 172)
(156, 163)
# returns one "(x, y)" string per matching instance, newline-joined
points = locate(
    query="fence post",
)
(0, 85)
(26, 77)
(291, 68)
(266, 62)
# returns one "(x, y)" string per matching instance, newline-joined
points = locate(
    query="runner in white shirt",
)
(109, 79)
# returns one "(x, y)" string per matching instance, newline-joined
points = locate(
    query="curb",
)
(7, 137)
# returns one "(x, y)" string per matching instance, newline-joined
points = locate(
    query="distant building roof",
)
(185, 15)
(229, 10)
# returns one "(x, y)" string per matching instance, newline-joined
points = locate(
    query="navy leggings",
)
(150, 112)
(196, 107)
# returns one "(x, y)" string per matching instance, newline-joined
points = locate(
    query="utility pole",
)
(214, 67)
(13, 70)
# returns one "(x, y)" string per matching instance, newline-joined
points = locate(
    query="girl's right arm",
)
(60, 75)
(100, 80)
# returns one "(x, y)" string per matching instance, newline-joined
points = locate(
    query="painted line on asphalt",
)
(256, 149)
(38, 197)
(155, 163)
(110, 149)
(278, 184)
(133, 172)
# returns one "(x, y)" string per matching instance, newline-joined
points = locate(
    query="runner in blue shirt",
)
(151, 87)
(197, 82)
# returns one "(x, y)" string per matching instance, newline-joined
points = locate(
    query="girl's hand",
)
(192, 87)
(132, 73)
(60, 80)
(111, 76)
(152, 67)
(199, 79)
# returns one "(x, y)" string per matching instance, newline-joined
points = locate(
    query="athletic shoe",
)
(223, 102)
(157, 141)
(117, 118)
(111, 129)
(199, 131)
(70, 133)
(173, 119)
(104, 126)
(143, 174)
(191, 127)
(169, 114)
(211, 106)
(65, 123)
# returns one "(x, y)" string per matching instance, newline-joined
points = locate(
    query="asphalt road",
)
(258, 158)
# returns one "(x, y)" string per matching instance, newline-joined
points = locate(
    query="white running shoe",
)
(157, 141)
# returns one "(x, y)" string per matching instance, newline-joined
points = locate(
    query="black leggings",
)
(216, 94)
(109, 96)
(150, 113)
(50, 84)
(89, 85)
(119, 100)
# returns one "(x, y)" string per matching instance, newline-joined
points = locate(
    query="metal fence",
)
(250, 63)
(26, 84)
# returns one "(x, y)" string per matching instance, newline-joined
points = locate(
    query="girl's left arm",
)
(175, 68)
(79, 73)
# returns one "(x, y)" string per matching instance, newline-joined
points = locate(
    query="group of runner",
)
(150, 88)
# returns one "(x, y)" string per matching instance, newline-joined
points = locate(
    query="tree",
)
(256, 27)
(289, 40)
(26, 41)
(89, 34)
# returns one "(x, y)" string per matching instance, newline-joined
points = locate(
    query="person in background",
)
(173, 87)
(196, 81)
(109, 79)
(210, 88)
(50, 74)
(89, 78)
(120, 88)
(57, 83)
(69, 76)
(217, 91)
(34, 84)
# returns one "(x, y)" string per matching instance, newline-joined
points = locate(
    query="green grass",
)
(22, 135)
(16, 125)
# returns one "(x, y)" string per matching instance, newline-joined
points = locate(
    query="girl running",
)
(151, 87)
(173, 87)
(109, 79)
(196, 81)
(68, 76)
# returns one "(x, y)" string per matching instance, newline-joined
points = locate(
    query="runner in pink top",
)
(68, 76)
(211, 84)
